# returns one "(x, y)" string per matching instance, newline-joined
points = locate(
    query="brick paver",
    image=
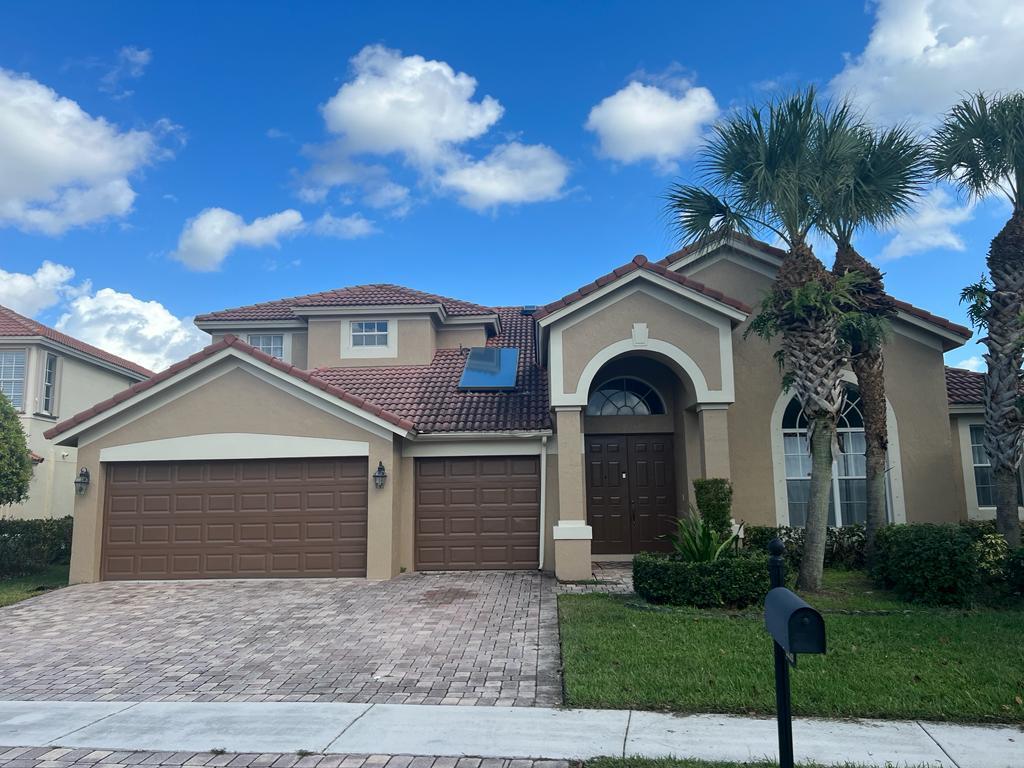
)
(45, 757)
(609, 578)
(488, 638)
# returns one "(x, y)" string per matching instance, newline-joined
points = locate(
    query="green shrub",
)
(714, 501)
(28, 546)
(733, 581)
(15, 460)
(696, 541)
(928, 564)
(1015, 572)
(992, 551)
(978, 528)
(844, 547)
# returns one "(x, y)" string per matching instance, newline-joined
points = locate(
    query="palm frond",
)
(701, 216)
(978, 297)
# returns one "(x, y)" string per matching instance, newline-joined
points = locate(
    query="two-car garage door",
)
(235, 519)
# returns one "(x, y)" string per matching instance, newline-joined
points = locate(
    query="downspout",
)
(543, 496)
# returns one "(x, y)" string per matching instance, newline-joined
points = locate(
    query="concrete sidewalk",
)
(498, 732)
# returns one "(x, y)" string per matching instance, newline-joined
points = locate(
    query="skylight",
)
(490, 368)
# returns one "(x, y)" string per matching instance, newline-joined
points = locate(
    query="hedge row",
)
(732, 581)
(844, 547)
(28, 546)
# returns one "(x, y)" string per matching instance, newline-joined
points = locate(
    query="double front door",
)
(631, 492)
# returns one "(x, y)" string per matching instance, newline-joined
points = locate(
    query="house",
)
(46, 374)
(373, 429)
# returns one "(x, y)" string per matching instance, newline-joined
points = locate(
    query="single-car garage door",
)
(477, 513)
(235, 519)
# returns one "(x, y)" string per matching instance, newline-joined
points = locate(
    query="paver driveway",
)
(449, 638)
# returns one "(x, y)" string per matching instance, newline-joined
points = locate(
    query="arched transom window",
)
(848, 471)
(625, 396)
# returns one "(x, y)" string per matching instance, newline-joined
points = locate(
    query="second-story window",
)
(12, 377)
(271, 343)
(370, 333)
(48, 399)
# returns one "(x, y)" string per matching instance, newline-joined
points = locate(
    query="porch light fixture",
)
(379, 476)
(82, 481)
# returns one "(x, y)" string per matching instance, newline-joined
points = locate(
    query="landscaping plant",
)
(980, 148)
(929, 564)
(696, 541)
(714, 502)
(731, 581)
(761, 167)
(30, 546)
(15, 461)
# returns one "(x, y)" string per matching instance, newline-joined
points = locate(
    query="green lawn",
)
(890, 660)
(13, 590)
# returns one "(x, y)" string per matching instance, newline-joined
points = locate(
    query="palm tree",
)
(760, 168)
(883, 173)
(980, 148)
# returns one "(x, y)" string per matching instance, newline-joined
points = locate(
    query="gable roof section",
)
(14, 325)
(964, 387)
(754, 244)
(429, 395)
(208, 352)
(373, 295)
(640, 262)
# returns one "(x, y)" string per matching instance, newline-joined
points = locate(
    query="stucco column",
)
(572, 535)
(714, 440)
(382, 524)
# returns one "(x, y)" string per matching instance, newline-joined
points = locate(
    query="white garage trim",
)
(234, 445)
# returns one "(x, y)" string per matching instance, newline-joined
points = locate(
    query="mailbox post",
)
(795, 628)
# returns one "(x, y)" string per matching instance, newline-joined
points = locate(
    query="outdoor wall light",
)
(82, 481)
(379, 476)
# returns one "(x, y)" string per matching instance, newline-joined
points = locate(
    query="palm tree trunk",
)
(869, 367)
(813, 359)
(1005, 343)
(822, 436)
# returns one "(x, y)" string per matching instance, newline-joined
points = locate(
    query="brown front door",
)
(235, 519)
(631, 493)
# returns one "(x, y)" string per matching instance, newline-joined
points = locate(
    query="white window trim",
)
(26, 367)
(897, 504)
(286, 341)
(55, 406)
(974, 510)
(388, 351)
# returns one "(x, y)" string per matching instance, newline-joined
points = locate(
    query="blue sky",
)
(166, 159)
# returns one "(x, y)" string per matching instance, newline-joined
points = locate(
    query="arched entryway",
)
(634, 454)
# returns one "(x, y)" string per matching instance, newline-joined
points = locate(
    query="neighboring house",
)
(510, 437)
(46, 374)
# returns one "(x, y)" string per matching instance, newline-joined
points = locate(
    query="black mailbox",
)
(794, 625)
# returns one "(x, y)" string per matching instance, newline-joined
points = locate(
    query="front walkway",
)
(251, 729)
(487, 638)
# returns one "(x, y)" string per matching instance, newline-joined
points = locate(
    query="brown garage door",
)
(477, 513)
(235, 519)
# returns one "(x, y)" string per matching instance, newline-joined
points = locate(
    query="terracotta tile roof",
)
(378, 294)
(640, 262)
(36, 458)
(910, 309)
(429, 395)
(13, 324)
(964, 387)
(228, 341)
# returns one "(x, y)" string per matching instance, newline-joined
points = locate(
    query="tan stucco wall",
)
(959, 469)
(550, 509)
(416, 343)
(453, 338)
(300, 347)
(583, 340)
(237, 401)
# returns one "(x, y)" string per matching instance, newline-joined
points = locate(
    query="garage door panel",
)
(236, 519)
(477, 513)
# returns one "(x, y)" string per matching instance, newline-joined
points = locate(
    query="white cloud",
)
(512, 173)
(423, 112)
(344, 227)
(131, 65)
(407, 104)
(974, 363)
(62, 167)
(923, 55)
(46, 287)
(648, 122)
(208, 238)
(930, 225)
(144, 332)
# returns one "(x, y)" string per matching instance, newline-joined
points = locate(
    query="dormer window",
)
(369, 333)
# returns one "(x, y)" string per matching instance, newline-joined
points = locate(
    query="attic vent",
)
(490, 368)
(528, 309)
